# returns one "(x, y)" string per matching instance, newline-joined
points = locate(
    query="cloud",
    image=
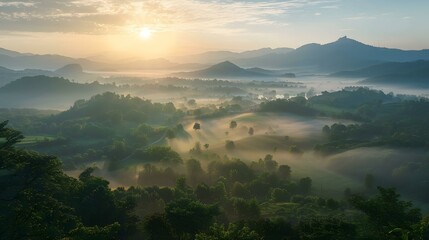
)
(361, 17)
(331, 7)
(106, 16)
(16, 4)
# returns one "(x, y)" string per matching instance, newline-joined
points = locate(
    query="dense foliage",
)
(232, 200)
(295, 105)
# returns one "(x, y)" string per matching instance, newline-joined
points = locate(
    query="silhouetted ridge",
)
(47, 92)
(37, 83)
(70, 69)
(226, 67)
(414, 74)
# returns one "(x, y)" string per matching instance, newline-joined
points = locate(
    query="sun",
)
(145, 33)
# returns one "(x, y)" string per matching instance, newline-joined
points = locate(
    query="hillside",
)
(75, 72)
(384, 69)
(109, 106)
(229, 70)
(416, 79)
(70, 71)
(47, 92)
(409, 73)
(8, 75)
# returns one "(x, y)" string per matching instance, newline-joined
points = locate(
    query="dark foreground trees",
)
(390, 217)
(38, 201)
(230, 201)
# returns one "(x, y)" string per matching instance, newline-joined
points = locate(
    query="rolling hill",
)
(8, 75)
(71, 71)
(45, 92)
(414, 73)
(229, 70)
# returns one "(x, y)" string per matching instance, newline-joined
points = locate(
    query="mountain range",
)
(212, 57)
(19, 61)
(16, 60)
(343, 54)
(70, 71)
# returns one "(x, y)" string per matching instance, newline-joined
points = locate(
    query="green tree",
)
(251, 131)
(109, 232)
(196, 126)
(206, 146)
(369, 182)
(233, 124)
(387, 212)
(269, 164)
(280, 195)
(245, 209)
(304, 185)
(326, 228)
(34, 197)
(194, 172)
(196, 149)
(233, 232)
(190, 217)
(229, 145)
(284, 172)
(156, 227)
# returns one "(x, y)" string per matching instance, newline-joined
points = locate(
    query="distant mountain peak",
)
(70, 69)
(226, 65)
(346, 40)
(223, 69)
(10, 53)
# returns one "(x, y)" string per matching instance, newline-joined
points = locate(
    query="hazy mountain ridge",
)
(213, 57)
(408, 73)
(385, 68)
(7, 75)
(158, 63)
(228, 69)
(47, 92)
(343, 54)
(70, 71)
(18, 61)
(11, 53)
(46, 62)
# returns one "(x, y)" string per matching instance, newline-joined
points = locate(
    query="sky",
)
(165, 28)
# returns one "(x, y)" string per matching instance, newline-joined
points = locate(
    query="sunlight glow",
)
(145, 33)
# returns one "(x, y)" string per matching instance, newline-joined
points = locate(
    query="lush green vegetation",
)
(202, 195)
(381, 119)
(226, 201)
(400, 124)
(295, 105)
(106, 127)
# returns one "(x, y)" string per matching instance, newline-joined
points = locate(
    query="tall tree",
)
(233, 124)
(197, 126)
